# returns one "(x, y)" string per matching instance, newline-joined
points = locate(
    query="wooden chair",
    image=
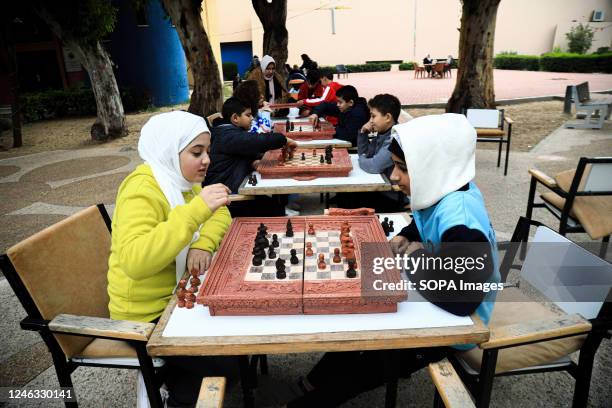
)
(342, 70)
(419, 71)
(450, 390)
(212, 117)
(60, 277)
(489, 124)
(212, 393)
(580, 199)
(528, 337)
(448, 71)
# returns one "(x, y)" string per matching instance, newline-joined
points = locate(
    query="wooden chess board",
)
(284, 105)
(310, 168)
(233, 286)
(307, 131)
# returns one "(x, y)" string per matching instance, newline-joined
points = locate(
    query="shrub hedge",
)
(406, 66)
(370, 67)
(518, 62)
(556, 62)
(58, 103)
(566, 62)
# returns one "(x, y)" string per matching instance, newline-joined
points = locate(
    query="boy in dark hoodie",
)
(234, 154)
(351, 110)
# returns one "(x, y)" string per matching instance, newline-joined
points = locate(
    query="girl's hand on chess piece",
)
(314, 120)
(198, 259)
(255, 164)
(215, 196)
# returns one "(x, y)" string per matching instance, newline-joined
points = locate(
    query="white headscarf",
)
(265, 61)
(162, 138)
(440, 156)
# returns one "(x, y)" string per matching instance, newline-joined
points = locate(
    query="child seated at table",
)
(235, 153)
(164, 223)
(434, 163)
(351, 112)
(374, 156)
(310, 89)
(249, 94)
(329, 95)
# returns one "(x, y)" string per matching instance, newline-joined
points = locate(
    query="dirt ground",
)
(532, 122)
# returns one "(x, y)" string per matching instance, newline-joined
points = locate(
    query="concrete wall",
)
(367, 30)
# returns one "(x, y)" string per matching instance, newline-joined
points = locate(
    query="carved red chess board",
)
(271, 166)
(307, 131)
(234, 286)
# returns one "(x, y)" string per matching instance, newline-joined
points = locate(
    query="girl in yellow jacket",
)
(163, 224)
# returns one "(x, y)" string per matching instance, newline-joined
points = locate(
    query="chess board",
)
(307, 131)
(284, 105)
(233, 286)
(271, 167)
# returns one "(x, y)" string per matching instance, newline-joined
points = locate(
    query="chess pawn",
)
(391, 229)
(271, 253)
(182, 284)
(294, 259)
(351, 273)
(309, 249)
(303, 156)
(311, 230)
(300, 128)
(314, 152)
(195, 281)
(322, 159)
(275, 243)
(337, 258)
(321, 262)
(257, 261)
(281, 274)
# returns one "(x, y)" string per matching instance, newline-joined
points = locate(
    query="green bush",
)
(579, 39)
(567, 62)
(230, 70)
(57, 103)
(406, 66)
(517, 62)
(370, 67)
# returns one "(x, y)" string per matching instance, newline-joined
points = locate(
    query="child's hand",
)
(367, 128)
(255, 164)
(266, 107)
(314, 119)
(215, 196)
(300, 103)
(198, 259)
(291, 144)
(399, 245)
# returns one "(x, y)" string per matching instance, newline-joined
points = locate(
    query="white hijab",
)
(440, 156)
(265, 61)
(162, 138)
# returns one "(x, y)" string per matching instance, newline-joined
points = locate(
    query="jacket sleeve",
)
(213, 230)
(239, 142)
(379, 162)
(351, 126)
(326, 109)
(317, 101)
(362, 143)
(147, 241)
(303, 92)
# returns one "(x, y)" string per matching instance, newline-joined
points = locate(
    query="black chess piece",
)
(288, 125)
(292, 126)
(391, 228)
(275, 242)
(322, 159)
(351, 272)
(385, 226)
(294, 259)
(257, 261)
(300, 128)
(289, 231)
(328, 160)
(262, 241)
(280, 269)
(271, 252)
(303, 156)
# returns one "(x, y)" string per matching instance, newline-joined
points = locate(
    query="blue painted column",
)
(149, 57)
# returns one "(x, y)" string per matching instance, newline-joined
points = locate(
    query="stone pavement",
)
(411, 91)
(41, 189)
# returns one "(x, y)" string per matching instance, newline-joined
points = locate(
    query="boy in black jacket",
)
(234, 153)
(351, 110)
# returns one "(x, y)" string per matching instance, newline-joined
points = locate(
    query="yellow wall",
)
(368, 30)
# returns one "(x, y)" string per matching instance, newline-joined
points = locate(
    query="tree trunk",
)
(110, 121)
(273, 17)
(10, 66)
(474, 86)
(207, 97)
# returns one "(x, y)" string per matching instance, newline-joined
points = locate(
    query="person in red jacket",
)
(329, 95)
(310, 89)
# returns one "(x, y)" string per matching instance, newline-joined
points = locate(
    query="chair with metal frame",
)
(489, 125)
(60, 277)
(580, 199)
(528, 337)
